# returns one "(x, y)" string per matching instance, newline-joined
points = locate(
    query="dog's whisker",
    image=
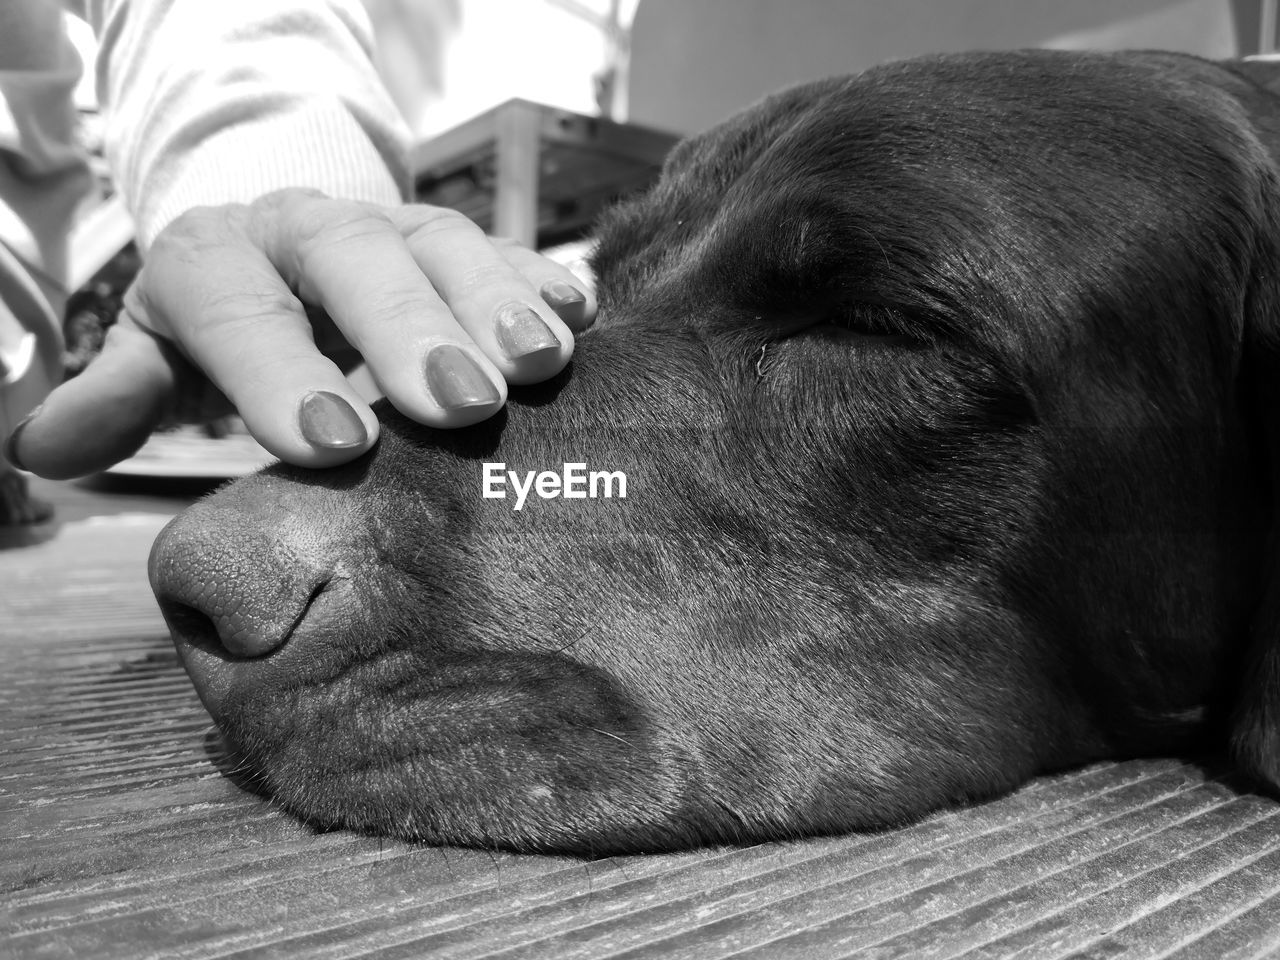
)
(575, 641)
(613, 736)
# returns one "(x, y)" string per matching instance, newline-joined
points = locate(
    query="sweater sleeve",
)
(218, 101)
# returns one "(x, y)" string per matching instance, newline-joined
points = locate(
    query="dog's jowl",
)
(999, 498)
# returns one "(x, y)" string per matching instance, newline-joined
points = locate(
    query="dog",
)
(945, 396)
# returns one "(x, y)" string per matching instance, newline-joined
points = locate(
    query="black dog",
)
(946, 397)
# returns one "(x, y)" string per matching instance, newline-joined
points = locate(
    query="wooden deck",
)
(123, 835)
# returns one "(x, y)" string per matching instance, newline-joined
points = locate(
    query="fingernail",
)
(521, 332)
(456, 380)
(569, 303)
(329, 421)
(11, 443)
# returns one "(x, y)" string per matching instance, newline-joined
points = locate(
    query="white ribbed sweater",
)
(206, 101)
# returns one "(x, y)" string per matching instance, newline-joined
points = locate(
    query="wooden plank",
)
(120, 836)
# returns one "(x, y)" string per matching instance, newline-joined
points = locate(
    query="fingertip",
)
(78, 432)
(321, 428)
(575, 306)
(465, 386)
(100, 417)
(10, 450)
(457, 386)
(329, 422)
(462, 417)
(543, 365)
(533, 344)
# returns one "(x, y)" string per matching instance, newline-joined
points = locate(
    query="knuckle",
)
(485, 275)
(319, 227)
(268, 213)
(435, 224)
(233, 308)
(402, 308)
(197, 230)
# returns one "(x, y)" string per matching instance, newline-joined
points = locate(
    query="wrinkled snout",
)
(224, 580)
(252, 598)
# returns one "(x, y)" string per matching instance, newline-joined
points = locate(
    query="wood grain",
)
(122, 835)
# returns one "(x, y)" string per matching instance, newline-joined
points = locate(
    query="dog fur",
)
(947, 396)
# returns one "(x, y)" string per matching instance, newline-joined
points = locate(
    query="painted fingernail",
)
(569, 303)
(328, 421)
(456, 380)
(521, 332)
(11, 443)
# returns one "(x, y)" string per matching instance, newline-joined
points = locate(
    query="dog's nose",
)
(227, 580)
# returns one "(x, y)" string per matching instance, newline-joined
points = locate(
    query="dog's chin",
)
(519, 751)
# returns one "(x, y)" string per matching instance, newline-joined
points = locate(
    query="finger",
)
(561, 289)
(354, 261)
(102, 416)
(236, 319)
(493, 301)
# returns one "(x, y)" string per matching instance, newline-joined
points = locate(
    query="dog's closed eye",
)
(865, 325)
(866, 328)
(878, 326)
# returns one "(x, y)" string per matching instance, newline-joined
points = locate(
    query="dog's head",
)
(936, 395)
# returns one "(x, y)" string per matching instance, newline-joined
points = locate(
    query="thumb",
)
(105, 414)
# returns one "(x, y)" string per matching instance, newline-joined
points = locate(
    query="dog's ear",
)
(1255, 732)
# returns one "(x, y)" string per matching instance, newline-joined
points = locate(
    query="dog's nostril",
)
(233, 619)
(193, 626)
(227, 585)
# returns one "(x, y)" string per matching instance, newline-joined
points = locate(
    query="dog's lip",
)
(313, 653)
(238, 648)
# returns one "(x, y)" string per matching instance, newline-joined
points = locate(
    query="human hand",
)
(254, 308)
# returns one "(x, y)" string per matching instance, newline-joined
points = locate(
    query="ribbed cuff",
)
(314, 146)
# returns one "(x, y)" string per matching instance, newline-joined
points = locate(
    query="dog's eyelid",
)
(866, 319)
(840, 328)
(884, 325)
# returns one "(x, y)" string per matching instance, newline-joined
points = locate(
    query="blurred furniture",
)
(101, 234)
(1266, 40)
(537, 174)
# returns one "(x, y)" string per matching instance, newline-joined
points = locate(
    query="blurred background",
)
(694, 62)
(681, 65)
